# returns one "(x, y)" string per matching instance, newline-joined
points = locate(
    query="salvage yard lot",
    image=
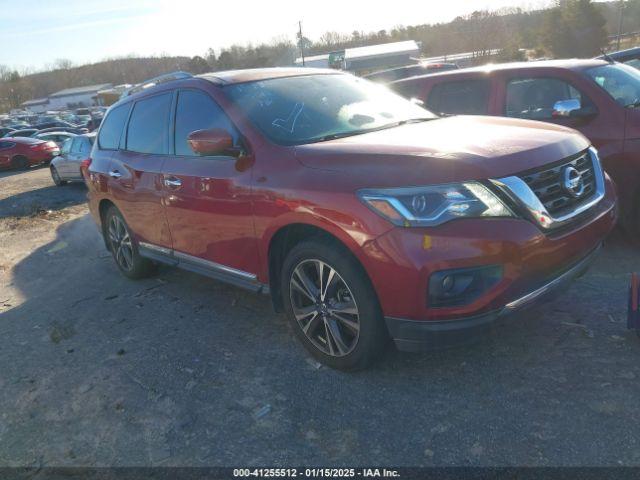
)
(182, 370)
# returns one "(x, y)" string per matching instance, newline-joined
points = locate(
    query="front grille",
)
(547, 184)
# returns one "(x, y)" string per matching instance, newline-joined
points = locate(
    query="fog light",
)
(461, 286)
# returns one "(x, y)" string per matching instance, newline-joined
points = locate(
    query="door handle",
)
(173, 182)
(115, 174)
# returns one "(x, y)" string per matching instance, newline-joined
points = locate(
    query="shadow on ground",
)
(43, 199)
(182, 370)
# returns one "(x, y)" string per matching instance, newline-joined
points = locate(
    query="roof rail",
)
(167, 77)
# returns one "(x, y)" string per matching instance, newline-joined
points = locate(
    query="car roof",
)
(567, 64)
(70, 134)
(22, 139)
(230, 77)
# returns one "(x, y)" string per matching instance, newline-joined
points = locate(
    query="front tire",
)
(123, 248)
(331, 305)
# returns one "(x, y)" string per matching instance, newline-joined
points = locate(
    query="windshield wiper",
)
(634, 104)
(334, 136)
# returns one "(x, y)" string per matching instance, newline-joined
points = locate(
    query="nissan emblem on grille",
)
(572, 181)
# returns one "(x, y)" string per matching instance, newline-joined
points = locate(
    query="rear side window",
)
(111, 129)
(534, 98)
(66, 146)
(464, 97)
(77, 145)
(197, 111)
(148, 125)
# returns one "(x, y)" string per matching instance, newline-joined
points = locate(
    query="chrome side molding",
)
(208, 268)
(518, 190)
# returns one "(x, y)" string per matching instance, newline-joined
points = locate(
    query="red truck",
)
(361, 214)
(598, 98)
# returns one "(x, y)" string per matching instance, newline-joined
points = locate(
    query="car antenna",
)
(607, 57)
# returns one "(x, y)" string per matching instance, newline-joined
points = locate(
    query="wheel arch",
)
(288, 236)
(103, 207)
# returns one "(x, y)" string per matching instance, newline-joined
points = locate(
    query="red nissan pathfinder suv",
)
(362, 214)
(599, 99)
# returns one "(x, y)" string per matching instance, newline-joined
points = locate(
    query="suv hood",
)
(445, 150)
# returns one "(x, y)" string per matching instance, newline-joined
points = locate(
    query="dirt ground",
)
(98, 370)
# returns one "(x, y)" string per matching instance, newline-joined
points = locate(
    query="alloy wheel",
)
(121, 245)
(324, 307)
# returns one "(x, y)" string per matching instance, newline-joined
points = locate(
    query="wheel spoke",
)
(312, 324)
(303, 312)
(305, 284)
(327, 285)
(345, 307)
(336, 336)
(347, 322)
(328, 338)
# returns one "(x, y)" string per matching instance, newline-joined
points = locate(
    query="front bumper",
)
(413, 335)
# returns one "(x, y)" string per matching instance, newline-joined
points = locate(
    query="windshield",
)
(312, 108)
(620, 81)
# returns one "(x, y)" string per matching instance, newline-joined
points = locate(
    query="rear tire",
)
(19, 162)
(123, 248)
(56, 177)
(343, 327)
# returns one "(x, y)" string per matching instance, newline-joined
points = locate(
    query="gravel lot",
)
(97, 370)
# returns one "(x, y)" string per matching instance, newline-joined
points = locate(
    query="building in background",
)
(361, 60)
(109, 96)
(71, 98)
(37, 105)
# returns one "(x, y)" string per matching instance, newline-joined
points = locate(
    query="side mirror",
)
(416, 101)
(565, 108)
(215, 141)
(573, 109)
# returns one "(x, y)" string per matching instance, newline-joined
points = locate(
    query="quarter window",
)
(464, 97)
(147, 131)
(197, 111)
(111, 129)
(534, 98)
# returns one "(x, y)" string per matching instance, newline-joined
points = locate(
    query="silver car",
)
(66, 166)
(58, 137)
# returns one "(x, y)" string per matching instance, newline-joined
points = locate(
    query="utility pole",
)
(620, 24)
(301, 41)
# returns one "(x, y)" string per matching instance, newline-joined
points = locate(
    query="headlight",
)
(433, 205)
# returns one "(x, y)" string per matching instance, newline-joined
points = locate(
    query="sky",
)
(34, 33)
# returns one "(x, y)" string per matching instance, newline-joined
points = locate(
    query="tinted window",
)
(197, 111)
(111, 129)
(465, 97)
(5, 144)
(147, 132)
(620, 81)
(635, 63)
(534, 98)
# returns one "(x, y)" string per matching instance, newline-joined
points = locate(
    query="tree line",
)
(567, 28)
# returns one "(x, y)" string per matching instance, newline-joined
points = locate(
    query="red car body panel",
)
(614, 131)
(229, 210)
(35, 151)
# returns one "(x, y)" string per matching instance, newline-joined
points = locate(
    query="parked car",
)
(58, 137)
(54, 124)
(6, 131)
(598, 98)
(630, 56)
(27, 132)
(362, 215)
(24, 152)
(392, 74)
(74, 156)
(74, 130)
